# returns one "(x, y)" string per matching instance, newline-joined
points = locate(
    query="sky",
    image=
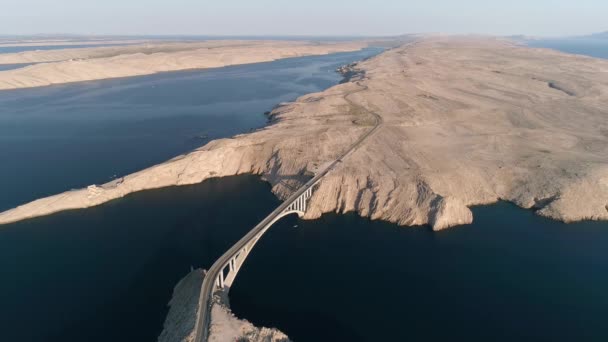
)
(303, 17)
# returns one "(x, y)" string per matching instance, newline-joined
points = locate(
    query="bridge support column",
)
(221, 279)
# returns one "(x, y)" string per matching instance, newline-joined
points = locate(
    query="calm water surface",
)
(107, 273)
(510, 276)
(70, 136)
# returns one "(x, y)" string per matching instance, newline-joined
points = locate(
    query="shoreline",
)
(225, 326)
(97, 187)
(174, 72)
(476, 169)
(91, 64)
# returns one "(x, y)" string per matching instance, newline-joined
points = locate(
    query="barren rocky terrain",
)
(96, 63)
(20, 41)
(179, 324)
(464, 121)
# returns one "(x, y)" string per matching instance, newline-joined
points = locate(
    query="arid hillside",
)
(464, 121)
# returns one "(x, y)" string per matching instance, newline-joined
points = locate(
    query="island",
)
(48, 67)
(463, 121)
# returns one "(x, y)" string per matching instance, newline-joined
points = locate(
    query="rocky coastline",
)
(465, 121)
(180, 321)
(96, 63)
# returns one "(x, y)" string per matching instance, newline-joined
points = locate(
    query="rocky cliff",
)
(464, 121)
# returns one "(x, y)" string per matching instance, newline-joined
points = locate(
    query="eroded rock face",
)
(464, 121)
(180, 321)
(226, 327)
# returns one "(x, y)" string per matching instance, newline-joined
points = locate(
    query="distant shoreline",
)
(457, 134)
(89, 64)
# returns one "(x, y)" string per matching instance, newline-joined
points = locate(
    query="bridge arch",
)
(235, 256)
(228, 272)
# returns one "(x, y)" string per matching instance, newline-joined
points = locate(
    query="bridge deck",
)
(209, 282)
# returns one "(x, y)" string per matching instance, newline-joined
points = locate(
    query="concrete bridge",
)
(228, 272)
(223, 272)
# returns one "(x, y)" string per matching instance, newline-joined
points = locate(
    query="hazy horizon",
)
(271, 36)
(338, 18)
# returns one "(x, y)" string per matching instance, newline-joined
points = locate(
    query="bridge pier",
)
(220, 280)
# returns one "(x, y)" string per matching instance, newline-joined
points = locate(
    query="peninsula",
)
(97, 63)
(464, 121)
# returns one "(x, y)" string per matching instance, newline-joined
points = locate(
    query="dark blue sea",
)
(106, 273)
(73, 135)
(100, 275)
